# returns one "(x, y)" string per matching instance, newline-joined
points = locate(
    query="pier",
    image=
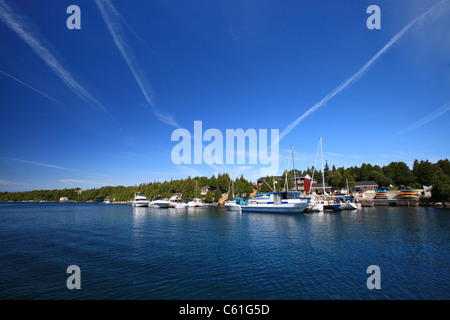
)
(370, 199)
(389, 202)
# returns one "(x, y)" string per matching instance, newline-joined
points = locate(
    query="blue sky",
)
(97, 106)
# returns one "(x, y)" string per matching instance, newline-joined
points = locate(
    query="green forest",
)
(190, 188)
(423, 173)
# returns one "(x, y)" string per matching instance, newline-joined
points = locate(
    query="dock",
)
(389, 199)
(389, 202)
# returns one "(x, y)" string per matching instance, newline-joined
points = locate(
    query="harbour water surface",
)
(209, 253)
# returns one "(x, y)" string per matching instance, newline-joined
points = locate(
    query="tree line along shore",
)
(423, 173)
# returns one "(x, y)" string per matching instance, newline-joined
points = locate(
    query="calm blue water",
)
(143, 253)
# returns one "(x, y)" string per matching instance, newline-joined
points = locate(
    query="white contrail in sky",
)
(358, 74)
(76, 182)
(113, 21)
(426, 119)
(20, 25)
(35, 163)
(21, 82)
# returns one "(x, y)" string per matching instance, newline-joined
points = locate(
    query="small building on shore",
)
(304, 182)
(363, 186)
(317, 188)
(205, 190)
(63, 199)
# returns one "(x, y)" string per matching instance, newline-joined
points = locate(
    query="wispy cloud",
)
(185, 170)
(21, 25)
(445, 108)
(27, 85)
(358, 74)
(5, 182)
(35, 163)
(114, 21)
(74, 182)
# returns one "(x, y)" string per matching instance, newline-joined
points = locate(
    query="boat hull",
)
(331, 207)
(233, 207)
(156, 204)
(348, 206)
(281, 208)
(140, 203)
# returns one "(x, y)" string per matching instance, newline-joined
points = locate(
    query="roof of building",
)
(366, 183)
(319, 185)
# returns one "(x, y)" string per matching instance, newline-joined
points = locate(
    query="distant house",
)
(304, 182)
(63, 199)
(317, 188)
(205, 190)
(79, 191)
(366, 186)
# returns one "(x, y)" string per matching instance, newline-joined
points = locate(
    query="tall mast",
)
(314, 168)
(323, 173)
(286, 184)
(293, 164)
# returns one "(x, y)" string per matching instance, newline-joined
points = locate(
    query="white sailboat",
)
(322, 203)
(235, 204)
(196, 202)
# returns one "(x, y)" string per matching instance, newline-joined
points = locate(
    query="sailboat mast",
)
(323, 173)
(293, 164)
(286, 184)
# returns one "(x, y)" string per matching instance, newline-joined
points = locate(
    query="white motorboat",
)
(139, 200)
(349, 203)
(196, 202)
(235, 205)
(159, 202)
(277, 202)
(183, 204)
(174, 200)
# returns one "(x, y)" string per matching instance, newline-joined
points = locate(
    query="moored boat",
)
(159, 202)
(277, 202)
(174, 200)
(183, 204)
(139, 200)
(348, 203)
(235, 205)
(196, 202)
